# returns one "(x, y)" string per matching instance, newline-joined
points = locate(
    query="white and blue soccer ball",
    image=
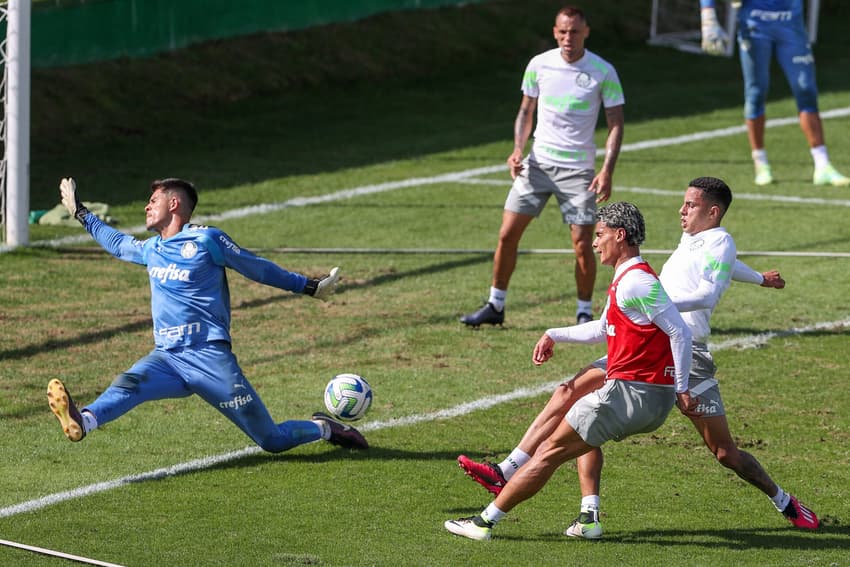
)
(348, 396)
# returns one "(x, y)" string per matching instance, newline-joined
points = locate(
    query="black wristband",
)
(81, 213)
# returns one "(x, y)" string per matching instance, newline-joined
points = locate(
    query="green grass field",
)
(172, 483)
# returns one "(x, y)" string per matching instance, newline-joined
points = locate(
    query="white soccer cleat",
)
(587, 526)
(828, 175)
(473, 527)
(764, 175)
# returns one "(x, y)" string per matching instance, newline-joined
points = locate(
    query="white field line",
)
(522, 251)
(752, 341)
(669, 193)
(443, 178)
(52, 553)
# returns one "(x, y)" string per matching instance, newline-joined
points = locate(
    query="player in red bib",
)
(649, 358)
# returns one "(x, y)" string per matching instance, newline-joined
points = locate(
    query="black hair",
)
(715, 190)
(172, 184)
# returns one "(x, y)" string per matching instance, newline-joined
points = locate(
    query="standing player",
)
(695, 276)
(566, 86)
(648, 359)
(190, 304)
(765, 28)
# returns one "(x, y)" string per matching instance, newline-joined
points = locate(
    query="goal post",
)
(15, 127)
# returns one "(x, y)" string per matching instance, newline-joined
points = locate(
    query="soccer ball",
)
(348, 396)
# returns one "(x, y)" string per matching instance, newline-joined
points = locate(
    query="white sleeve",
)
(743, 273)
(670, 321)
(705, 296)
(588, 333)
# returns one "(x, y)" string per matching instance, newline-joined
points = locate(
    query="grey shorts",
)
(619, 409)
(703, 384)
(537, 182)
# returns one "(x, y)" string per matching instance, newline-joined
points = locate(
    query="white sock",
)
(324, 428)
(497, 298)
(89, 421)
(513, 462)
(492, 514)
(583, 306)
(821, 156)
(760, 156)
(781, 499)
(589, 503)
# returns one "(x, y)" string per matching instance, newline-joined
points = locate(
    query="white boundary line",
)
(52, 553)
(643, 251)
(752, 341)
(446, 178)
(669, 193)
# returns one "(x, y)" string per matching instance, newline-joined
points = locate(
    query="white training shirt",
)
(697, 275)
(569, 96)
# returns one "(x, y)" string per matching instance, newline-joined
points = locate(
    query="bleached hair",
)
(626, 216)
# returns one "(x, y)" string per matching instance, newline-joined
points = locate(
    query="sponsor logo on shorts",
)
(237, 402)
(807, 59)
(710, 408)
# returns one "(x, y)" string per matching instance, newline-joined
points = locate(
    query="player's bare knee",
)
(729, 457)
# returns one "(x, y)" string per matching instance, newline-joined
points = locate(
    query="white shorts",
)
(619, 409)
(537, 182)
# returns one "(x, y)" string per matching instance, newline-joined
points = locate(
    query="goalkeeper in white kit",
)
(190, 306)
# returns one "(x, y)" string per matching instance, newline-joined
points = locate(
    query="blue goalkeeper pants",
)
(209, 370)
(763, 34)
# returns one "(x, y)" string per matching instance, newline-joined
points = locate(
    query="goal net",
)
(676, 23)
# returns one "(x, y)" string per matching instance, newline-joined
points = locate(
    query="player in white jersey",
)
(695, 277)
(567, 87)
(190, 308)
(768, 28)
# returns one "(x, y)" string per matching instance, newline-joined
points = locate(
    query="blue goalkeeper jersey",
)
(190, 298)
(795, 7)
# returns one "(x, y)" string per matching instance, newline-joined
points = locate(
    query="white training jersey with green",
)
(569, 96)
(697, 274)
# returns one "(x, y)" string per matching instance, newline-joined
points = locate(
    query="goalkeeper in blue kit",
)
(190, 306)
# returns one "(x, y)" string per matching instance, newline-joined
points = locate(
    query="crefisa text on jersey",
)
(169, 272)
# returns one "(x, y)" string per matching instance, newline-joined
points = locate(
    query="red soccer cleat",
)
(486, 474)
(800, 516)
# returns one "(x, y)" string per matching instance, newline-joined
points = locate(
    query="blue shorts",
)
(209, 370)
(761, 34)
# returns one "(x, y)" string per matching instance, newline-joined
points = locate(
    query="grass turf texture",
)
(81, 315)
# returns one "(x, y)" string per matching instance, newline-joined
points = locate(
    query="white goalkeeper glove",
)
(321, 288)
(68, 192)
(715, 40)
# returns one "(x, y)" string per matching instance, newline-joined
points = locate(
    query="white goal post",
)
(676, 23)
(15, 125)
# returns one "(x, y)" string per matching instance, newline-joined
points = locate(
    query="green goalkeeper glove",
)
(321, 288)
(68, 192)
